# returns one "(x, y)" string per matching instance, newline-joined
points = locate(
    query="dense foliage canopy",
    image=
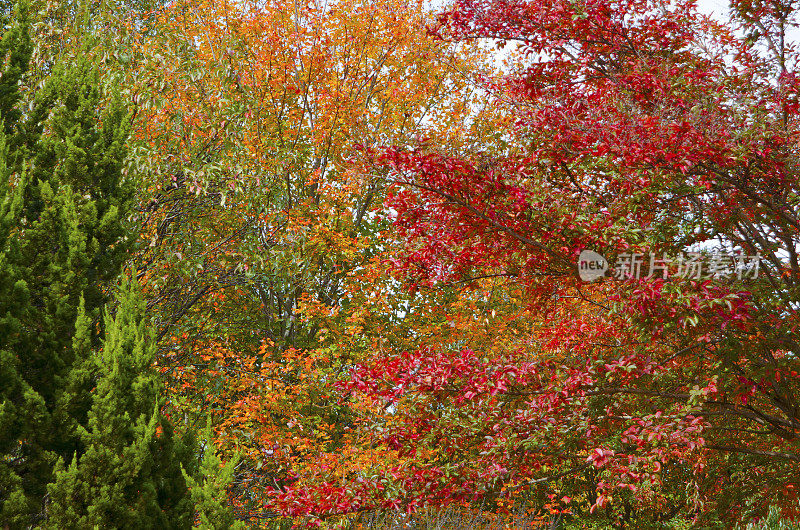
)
(345, 246)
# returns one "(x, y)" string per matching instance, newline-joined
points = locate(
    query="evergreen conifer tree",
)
(82, 439)
(130, 473)
(63, 200)
(15, 51)
(208, 490)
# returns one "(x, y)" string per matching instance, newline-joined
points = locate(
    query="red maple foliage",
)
(642, 129)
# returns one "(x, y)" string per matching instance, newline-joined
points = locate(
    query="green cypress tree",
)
(63, 201)
(208, 490)
(130, 473)
(62, 205)
(15, 52)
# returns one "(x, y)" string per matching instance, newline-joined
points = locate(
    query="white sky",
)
(713, 7)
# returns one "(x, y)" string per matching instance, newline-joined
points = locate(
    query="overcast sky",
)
(715, 7)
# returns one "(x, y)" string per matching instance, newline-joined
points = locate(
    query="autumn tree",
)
(642, 129)
(256, 208)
